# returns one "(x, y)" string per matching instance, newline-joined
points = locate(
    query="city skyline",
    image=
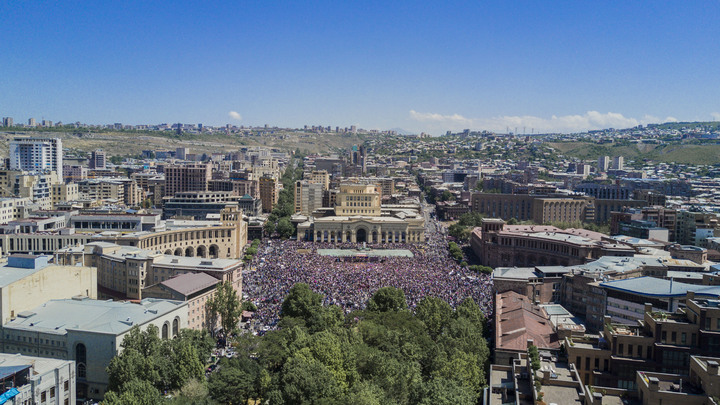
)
(419, 67)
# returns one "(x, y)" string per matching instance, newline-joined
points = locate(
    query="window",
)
(639, 353)
(605, 365)
(683, 338)
(52, 392)
(597, 363)
(66, 385)
(630, 350)
(587, 363)
(674, 337)
(43, 396)
(620, 349)
(577, 362)
(664, 336)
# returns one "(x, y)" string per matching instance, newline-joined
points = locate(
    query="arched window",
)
(165, 330)
(176, 327)
(81, 360)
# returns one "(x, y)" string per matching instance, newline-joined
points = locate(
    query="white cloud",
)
(590, 120)
(432, 117)
(235, 115)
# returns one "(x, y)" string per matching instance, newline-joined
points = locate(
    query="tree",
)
(235, 382)
(387, 299)
(442, 391)
(201, 340)
(131, 365)
(447, 196)
(301, 302)
(135, 392)
(186, 363)
(435, 313)
(269, 227)
(306, 381)
(145, 342)
(249, 306)
(225, 304)
(285, 228)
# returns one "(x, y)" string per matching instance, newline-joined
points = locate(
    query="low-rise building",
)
(497, 244)
(89, 332)
(195, 289)
(518, 320)
(124, 272)
(37, 380)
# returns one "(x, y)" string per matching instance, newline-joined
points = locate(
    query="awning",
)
(9, 394)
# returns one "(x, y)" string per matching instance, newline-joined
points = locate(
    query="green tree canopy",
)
(387, 299)
(301, 302)
(226, 306)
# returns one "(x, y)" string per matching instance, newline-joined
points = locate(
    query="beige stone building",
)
(321, 177)
(223, 240)
(269, 192)
(192, 177)
(27, 281)
(194, 288)
(124, 272)
(358, 199)
(359, 217)
(64, 192)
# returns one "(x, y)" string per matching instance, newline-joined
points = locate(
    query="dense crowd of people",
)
(278, 265)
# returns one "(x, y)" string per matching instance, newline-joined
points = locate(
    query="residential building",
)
(198, 205)
(193, 177)
(98, 159)
(618, 163)
(37, 155)
(269, 192)
(308, 197)
(64, 192)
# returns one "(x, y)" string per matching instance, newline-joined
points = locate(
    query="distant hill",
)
(401, 131)
(132, 143)
(711, 125)
(683, 153)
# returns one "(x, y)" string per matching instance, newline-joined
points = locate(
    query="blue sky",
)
(422, 66)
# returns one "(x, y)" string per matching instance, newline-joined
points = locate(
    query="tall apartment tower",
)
(193, 177)
(31, 122)
(603, 163)
(269, 193)
(618, 163)
(308, 196)
(37, 155)
(181, 153)
(8, 122)
(98, 159)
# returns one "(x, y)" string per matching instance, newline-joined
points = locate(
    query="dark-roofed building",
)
(518, 320)
(194, 288)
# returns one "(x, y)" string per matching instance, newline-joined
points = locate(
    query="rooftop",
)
(189, 283)
(41, 365)
(105, 317)
(661, 288)
(368, 252)
(518, 320)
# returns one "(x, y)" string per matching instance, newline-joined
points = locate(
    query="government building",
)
(359, 217)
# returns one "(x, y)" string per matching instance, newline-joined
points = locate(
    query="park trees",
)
(225, 305)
